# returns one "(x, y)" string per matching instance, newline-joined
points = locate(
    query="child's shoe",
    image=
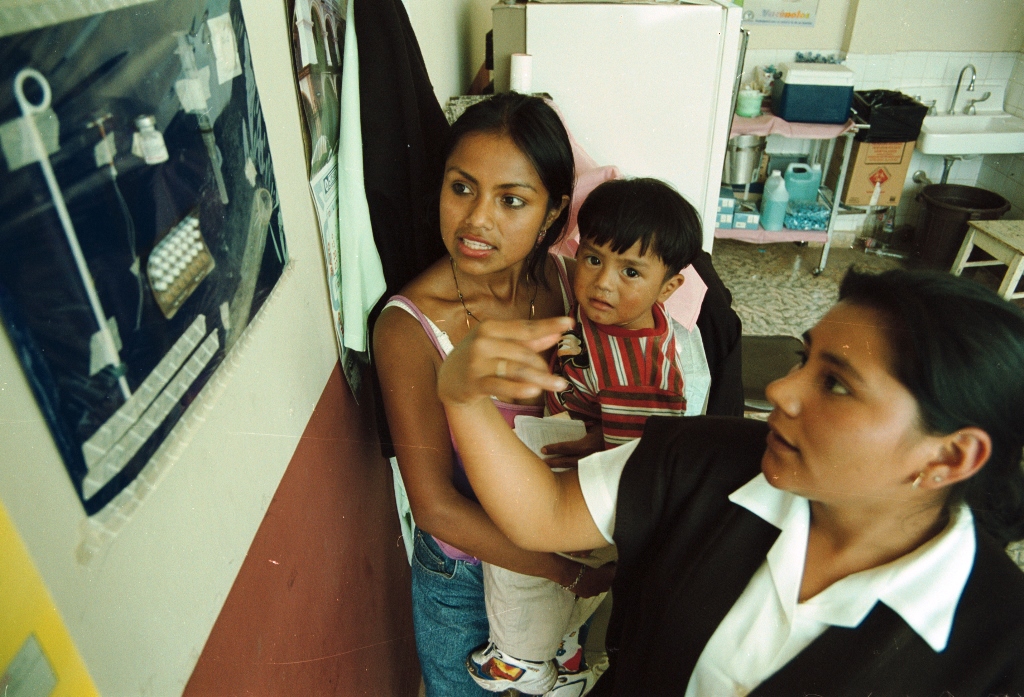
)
(495, 671)
(575, 676)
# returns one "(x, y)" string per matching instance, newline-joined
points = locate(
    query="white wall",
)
(451, 38)
(141, 613)
(887, 26)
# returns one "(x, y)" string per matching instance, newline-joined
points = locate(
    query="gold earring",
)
(920, 478)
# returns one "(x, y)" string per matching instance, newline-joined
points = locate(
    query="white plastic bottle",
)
(774, 202)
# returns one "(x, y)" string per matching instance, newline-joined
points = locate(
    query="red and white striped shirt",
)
(619, 376)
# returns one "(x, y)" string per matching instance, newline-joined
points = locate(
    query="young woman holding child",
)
(504, 200)
(852, 545)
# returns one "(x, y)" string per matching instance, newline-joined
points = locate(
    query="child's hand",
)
(595, 581)
(569, 452)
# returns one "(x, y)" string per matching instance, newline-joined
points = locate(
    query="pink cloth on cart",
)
(769, 124)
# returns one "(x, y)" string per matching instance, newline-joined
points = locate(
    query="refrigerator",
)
(645, 86)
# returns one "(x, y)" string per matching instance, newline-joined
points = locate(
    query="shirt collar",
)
(923, 587)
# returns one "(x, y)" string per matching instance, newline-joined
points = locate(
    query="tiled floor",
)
(773, 289)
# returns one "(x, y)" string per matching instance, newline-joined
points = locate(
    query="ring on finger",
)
(502, 368)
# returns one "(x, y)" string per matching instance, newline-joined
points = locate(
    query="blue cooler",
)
(813, 93)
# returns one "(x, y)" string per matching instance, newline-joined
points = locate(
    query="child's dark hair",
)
(539, 134)
(959, 349)
(623, 211)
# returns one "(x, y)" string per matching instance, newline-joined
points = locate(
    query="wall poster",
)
(140, 229)
(318, 37)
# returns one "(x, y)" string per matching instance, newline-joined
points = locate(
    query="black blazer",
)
(686, 553)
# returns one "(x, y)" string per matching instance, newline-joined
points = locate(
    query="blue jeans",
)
(449, 616)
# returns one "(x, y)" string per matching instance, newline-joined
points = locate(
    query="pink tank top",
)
(508, 411)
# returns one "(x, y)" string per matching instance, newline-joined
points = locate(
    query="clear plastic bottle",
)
(774, 202)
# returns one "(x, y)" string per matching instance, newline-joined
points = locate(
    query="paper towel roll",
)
(521, 75)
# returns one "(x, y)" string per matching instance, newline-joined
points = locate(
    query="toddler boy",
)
(622, 365)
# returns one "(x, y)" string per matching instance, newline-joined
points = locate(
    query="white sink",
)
(983, 134)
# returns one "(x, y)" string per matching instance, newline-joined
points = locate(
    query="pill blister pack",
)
(178, 264)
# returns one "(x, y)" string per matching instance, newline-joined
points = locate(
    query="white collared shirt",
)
(767, 626)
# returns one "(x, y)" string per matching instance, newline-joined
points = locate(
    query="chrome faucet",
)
(930, 104)
(970, 108)
(970, 87)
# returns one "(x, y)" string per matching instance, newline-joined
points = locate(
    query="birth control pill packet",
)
(178, 264)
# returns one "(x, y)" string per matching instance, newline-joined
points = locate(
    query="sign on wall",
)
(799, 13)
(140, 229)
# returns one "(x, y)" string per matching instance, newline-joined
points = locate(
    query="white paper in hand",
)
(536, 432)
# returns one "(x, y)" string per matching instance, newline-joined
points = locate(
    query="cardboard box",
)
(723, 220)
(726, 200)
(746, 217)
(885, 163)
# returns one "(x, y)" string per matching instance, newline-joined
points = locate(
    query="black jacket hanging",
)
(404, 132)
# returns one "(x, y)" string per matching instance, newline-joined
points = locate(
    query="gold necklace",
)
(462, 300)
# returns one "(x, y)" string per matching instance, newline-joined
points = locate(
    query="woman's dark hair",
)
(959, 349)
(538, 132)
(623, 212)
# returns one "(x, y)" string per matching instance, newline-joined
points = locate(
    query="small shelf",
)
(762, 236)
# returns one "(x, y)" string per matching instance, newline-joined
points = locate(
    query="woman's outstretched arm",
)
(538, 509)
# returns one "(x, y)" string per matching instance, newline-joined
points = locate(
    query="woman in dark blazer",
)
(852, 545)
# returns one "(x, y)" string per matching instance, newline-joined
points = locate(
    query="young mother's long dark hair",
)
(959, 349)
(538, 132)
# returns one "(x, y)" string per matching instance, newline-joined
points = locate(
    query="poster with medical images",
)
(140, 230)
(797, 13)
(318, 37)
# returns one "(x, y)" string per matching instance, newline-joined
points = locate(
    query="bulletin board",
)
(140, 229)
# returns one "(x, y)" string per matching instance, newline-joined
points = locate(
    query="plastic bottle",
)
(800, 182)
(774, 202)
(816, 179)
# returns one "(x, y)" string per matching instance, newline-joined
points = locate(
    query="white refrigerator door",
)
(646, 87)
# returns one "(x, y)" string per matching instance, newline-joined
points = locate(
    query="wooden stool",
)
(1004, 240)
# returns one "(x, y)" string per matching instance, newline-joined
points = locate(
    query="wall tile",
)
(897, 64)
(857, 62)
(1017, 74)
(995, 163)
(935, 67)
(877, 68)
(954, 64)
(1002, 65)
(983, 62)
(1014, 102)
(989, 177)
(914, 65)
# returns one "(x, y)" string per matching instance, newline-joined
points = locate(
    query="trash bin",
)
(942, 224)
(893, 116)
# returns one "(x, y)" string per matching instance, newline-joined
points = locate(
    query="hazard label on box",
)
(879, 176)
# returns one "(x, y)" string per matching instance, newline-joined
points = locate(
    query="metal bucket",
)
(743, 159)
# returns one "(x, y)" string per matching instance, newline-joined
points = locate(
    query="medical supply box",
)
(813, 93)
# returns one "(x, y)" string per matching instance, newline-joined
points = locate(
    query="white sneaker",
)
(495, 671)
(580, 682)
